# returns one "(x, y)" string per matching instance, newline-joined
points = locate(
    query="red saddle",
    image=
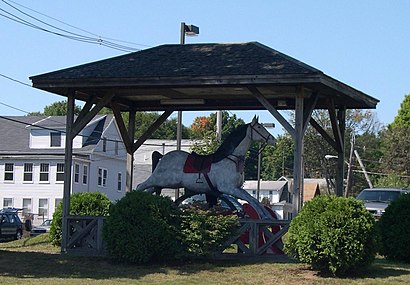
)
(196, 163)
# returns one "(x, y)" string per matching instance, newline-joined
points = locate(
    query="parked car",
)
(11, 226)
(43, 228)
(376, 200)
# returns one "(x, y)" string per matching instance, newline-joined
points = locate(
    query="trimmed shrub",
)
(142, 228)
(332, 234)
(394, 230)
(205, 231)
(84, 204)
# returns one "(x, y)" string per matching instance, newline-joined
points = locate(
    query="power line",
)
(72, 26)
(15, 80)
(60, 31)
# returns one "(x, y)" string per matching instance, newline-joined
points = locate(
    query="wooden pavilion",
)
(175, 77)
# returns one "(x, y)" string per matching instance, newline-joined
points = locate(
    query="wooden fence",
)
(85, 235)
(254, 237)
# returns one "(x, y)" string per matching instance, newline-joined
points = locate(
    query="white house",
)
(276, 192)
(32, 162)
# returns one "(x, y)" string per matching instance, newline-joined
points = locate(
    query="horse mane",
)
(230, 143)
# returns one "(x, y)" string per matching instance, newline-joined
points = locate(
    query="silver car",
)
(42, 229)
(376, 200)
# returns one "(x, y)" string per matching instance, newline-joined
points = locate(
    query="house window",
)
(104, 144)
(119, 181)
(116, 148)
(26, 205)
(28, 172)
(102, 177)
(8, 203)
(76, 173)
(57, 202)
(43, 208)
(55, 139)
(44, 168)
(60, 172)
(85, 174)
(8, 172)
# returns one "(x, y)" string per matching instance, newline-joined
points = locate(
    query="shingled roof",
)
(218, 74)
(15, 134)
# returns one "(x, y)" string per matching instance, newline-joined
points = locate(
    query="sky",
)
(364, 44)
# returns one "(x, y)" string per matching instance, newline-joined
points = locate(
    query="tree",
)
(203, 126)
(362, 123)
(277, 161)
(204, 130)
(403, 116)
(56, 109)
(396, 143)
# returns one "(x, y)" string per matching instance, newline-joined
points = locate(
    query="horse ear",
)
(255, 119)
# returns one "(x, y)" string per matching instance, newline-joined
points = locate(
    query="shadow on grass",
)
(49, 265)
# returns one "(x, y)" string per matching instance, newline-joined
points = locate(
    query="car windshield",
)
(378, 196)
(46, 223)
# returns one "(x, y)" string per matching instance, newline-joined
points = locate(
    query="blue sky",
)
(365, 44)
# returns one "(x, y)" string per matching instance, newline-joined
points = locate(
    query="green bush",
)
(84, 204)
(142, 228)
(205, 231)
(332, 234)
(394, 229)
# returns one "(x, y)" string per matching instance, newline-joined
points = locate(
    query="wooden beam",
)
(86, 108)
(152, 129)
(121, 126)
(130, 155)
(323, 133)
(258, 95)
(335, 126)
(308, 110)
(298, 156)
(80, 124)
(68, 159)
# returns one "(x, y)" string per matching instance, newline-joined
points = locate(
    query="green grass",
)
(35, 261)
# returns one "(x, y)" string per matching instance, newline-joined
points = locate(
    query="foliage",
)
(56, 109)
(203, 126)
(142, 228)
(333, 234)
(204, 231)
(277, 161)
(403, 116)
(167, 131)
(396, 155)
(84, 203)
(207, 145)
(394, 228)
(392, 181)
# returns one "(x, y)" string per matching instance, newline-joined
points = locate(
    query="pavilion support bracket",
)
(152, 129)
(88, 113)
(278, 116)
(126, 138)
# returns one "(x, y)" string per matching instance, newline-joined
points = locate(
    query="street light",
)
(186, 30)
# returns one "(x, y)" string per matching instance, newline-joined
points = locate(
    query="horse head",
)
(259, 133)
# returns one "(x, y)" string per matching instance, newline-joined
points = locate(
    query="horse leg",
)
(242, 194)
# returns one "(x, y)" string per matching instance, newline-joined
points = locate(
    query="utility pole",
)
(189, 30)
(364, 169)
(350, 167)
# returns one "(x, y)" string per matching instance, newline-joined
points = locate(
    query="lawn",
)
(35, 261)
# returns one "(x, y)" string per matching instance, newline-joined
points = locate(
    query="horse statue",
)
(223, 171)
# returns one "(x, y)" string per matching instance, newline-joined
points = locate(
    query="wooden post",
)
(298, 160)
(341, 153)
(67, 169)
(130, 153)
